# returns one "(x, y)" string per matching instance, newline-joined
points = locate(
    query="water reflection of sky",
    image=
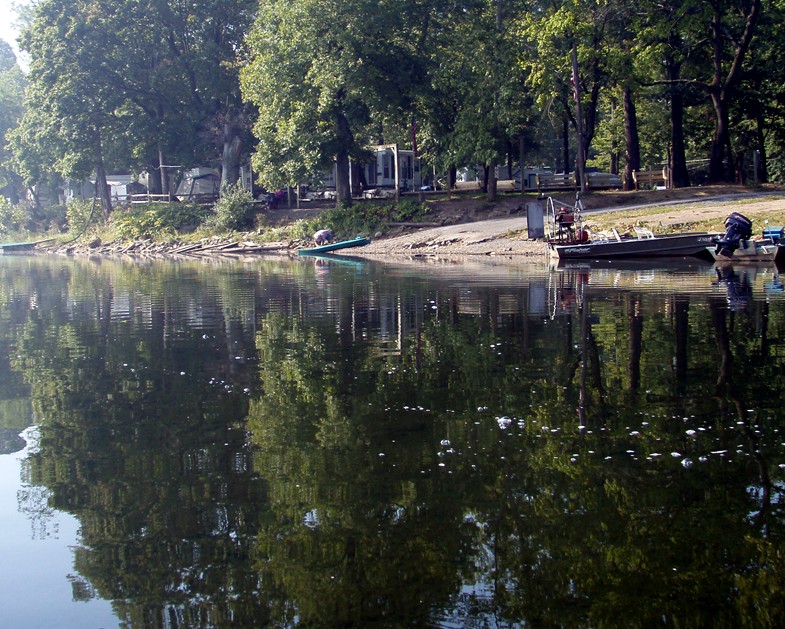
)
(37, 578)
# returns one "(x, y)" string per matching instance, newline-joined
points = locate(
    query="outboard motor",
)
(737, 228)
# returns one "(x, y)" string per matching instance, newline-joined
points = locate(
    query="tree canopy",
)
(137, 85)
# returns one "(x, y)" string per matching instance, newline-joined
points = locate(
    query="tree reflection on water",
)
(354, 445)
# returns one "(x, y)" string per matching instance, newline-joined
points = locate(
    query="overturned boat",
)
(334, 246)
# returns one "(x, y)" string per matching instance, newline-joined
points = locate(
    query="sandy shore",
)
(509, 237)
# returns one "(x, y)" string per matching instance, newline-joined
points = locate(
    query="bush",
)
(79, 214)
(145, 220)
(6, 208)
(368, 218)
(348, 222)
(302, 229)
(234, 210)
(23, 218)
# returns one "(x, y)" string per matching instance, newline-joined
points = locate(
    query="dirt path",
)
(508, 236)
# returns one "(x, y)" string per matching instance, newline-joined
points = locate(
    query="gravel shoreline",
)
(499, 236)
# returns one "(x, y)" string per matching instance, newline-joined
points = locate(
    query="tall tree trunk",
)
(583, 144)
(761, 164)
(522, 160)
(565, 137)
(721, 88)
(510, 159)
(490, 181)
(343, 191)
(632, 144)
(679, 175)
(102, 188)
(101, 185)
(230, 158)
(720, 159)
(613, 166)
(153, 178)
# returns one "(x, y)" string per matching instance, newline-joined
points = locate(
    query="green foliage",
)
(348, 222)
(24, 218)
(298, 230)
(123, 83)
(5, 215)
(80, 214)
(156, 219)
(318, 74)
(234, 210)
(12, 85)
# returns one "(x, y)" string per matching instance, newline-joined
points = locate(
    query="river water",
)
(328, 443)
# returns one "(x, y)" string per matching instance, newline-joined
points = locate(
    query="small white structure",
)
(199, 182)
(477, 173)
(121, 186)
(381, 171)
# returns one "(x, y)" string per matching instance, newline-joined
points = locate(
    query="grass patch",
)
(651, 217)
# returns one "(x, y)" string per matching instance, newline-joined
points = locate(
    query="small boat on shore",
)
(334, 246)
(754, 252)
(738, 245)
(645, 245)
(22, 247)
(570, 239)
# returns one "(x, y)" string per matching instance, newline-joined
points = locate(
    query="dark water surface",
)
(275, 442)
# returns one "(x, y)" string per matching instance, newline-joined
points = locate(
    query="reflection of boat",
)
(665, 263)
(330, 259)
(334, 246)
(646, 245)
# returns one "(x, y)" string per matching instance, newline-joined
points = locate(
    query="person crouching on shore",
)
(323, 237)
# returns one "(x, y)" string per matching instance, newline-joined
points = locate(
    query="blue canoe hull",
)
(334, 246)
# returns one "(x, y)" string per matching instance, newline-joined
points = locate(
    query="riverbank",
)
(703, 209)
(470, 226)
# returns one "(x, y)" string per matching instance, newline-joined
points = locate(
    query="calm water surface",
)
(319, 443)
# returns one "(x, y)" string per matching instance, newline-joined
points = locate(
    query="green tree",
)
(705, 47)
(479, 95)
(319, 74)
(144, 85)
(569, 46)
(12, 85)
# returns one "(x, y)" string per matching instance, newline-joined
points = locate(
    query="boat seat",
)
(643, 232)
(774, 232)
(596, 236)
